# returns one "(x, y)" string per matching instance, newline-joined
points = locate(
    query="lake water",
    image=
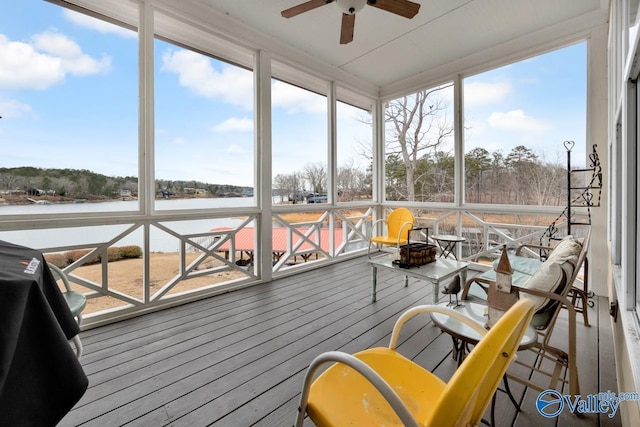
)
(160, 241)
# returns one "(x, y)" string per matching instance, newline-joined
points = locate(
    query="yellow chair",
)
(399, 224)
(379, 386)
(75, 300)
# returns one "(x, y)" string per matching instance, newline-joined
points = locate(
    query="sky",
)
(69, 99)
(539, 103)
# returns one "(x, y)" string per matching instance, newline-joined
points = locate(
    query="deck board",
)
(238, 359)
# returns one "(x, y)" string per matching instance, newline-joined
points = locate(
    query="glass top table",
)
(463, 335)
(434, 272)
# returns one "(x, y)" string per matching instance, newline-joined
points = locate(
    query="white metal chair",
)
(75, 300)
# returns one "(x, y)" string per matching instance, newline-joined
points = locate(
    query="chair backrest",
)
(472, 386)
(397, 223)
(582, 257)
(59, 274)
(546, 316)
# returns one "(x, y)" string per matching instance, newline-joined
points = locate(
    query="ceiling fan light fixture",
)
(351, 7)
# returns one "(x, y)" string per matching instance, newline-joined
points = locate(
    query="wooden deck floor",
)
(238, 359)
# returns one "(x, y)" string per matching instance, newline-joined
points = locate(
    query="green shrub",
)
(58, 259)
(131, 251)
(73, 256)
(114, 253)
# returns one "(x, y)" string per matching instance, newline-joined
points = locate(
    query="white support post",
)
(146, 186)
(332, 135)
(458, 132)
(378, 157)
(264, 169)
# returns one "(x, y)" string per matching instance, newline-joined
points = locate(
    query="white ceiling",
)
(388, 49)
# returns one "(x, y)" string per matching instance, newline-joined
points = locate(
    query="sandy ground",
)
(126, 276)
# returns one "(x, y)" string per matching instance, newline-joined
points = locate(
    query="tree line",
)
(82, 183)
(519, 177)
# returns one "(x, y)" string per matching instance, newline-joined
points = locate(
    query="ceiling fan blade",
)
(405, 8)
(346, 31)
(304, 7)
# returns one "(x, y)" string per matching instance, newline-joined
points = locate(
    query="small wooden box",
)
(415, 254)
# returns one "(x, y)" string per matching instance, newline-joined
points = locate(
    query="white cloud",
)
(235, 149)
(479, 93)
(244, 124)
(45, 62)
(195, 72)
(103, 27)
(518, 121)
(72, 59)
(235, 85)
(179, 141)
(56, 44)
(294, 99)
(11, 108)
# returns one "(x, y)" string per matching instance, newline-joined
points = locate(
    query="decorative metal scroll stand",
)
(584, 198)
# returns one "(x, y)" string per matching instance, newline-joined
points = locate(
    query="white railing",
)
(202, 260)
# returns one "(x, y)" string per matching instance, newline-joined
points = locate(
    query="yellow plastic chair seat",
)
(344, 395)
(399, 223)
(380, 387)
(388, 240)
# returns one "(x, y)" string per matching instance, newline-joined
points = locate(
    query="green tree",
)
(395, 174)
(443, 177)
(521, 162)
(476, 161)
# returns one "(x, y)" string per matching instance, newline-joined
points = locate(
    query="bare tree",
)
(316, 174)
(352, 182)
(281, 185)
(547, 182)
(418, 125)
(8, 181)
(290, 185)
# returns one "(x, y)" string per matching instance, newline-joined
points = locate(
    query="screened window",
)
(516, 119)
(354, 153)
(204, 130)
(69, 107)
(419, 157)
(299, 135)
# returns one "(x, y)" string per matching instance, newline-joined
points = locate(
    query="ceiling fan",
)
(349, 9)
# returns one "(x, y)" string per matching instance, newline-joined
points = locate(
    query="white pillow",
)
(567, 250)
(547, 278)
